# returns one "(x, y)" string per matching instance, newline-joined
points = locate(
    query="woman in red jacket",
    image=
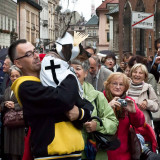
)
(126, 111)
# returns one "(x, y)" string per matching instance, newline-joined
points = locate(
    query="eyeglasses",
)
(114, 84)
(109, 59)
(28, 54)
(15, 76)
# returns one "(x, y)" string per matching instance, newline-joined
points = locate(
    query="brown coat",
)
(152, 99)
(13, 137)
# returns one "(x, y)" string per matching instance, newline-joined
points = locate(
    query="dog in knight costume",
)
(47, 100)
(55, 68)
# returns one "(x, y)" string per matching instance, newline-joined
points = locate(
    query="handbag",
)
(134, 144)
(105, 141)
(13, 118)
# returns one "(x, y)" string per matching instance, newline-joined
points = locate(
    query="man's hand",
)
(157, 61)
(158, 52)
(73, 114)
(90, 126)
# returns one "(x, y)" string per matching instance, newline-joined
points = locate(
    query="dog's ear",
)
(83, 55)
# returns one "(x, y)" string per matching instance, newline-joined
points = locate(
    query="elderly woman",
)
(139, 59)
(143, 93)
(115, 88)
(13, 137)
(101, 107)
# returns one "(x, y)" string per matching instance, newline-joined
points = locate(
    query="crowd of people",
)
(61, 91)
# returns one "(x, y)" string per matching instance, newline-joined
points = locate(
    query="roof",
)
(103, 5)
(114, 10)
(93, 21)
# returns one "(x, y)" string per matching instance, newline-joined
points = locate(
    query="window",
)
(12, 25)
(32, 37)
(9, 28)
(0, 21)
(94, 32)
(27, 16)
(107, 19)
(37, 22)
(27, 35)
(37, 35)
(89, 32)
(108, 39)
(15, 25)
(4, 22)
(32, 18)
(6, 27)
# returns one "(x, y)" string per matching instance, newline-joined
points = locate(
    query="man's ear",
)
(18, 64)
(86, 73)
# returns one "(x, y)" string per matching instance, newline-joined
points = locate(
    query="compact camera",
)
(123, 102)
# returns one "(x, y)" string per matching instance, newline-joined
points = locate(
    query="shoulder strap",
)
(149, 112)
(148, 92)
(95, 102)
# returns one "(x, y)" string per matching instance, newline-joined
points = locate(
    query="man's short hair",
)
(126, 55)
(88, 47)
(156, 42)
(138, 59)
(96, 58)
(112, 55)
(12, 49)
(7, 57)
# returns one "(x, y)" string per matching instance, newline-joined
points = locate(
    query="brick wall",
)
(149, 6)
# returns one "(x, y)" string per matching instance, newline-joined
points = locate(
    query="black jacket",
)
(44, 110)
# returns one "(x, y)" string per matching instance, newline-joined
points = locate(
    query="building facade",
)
(28, 22)
(114, 29)
(92, 29)
(52, 13)
(8, 22)
(136, 40)
(44, 36)
(104, 26)
(74, 19)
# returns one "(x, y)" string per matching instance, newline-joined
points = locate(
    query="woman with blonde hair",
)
(126, 111)
(143, 93)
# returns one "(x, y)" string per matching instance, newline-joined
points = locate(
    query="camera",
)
(123, 102)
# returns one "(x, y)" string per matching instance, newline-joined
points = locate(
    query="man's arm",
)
(155, 68)
(40, 100)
